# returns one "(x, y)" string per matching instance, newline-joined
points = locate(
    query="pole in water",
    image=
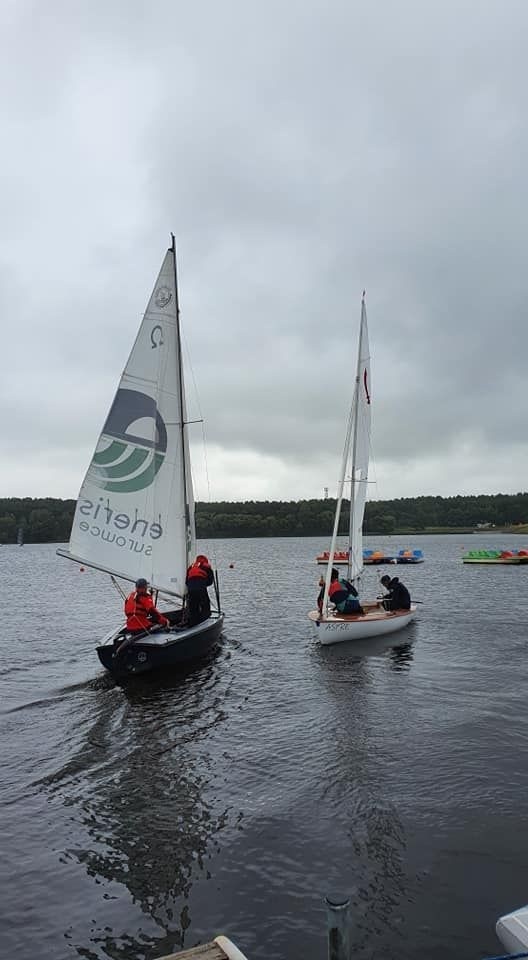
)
(338, 928)
(217, 590)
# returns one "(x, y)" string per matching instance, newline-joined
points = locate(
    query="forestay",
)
(135, 513)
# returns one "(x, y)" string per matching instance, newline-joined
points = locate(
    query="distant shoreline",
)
(49, 520)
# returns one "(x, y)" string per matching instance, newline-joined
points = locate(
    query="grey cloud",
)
(301, 152)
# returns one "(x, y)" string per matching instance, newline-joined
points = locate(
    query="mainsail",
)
(360, 450)
(135, 512)
(357, 450)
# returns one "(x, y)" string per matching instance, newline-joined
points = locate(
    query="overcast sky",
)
(301, 150)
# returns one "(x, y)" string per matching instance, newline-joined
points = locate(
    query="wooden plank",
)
(204, 951)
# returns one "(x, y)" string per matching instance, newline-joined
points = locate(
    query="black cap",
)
(141, 583)
(385, 578)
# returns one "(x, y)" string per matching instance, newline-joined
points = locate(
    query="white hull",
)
(374, 623)
(512, 930)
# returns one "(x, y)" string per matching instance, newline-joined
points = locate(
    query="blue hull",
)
(163, 651)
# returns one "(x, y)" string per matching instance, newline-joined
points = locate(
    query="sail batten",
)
(135, 512)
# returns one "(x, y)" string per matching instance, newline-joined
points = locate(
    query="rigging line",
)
(202, 421)
(118, 587)
(206, 467)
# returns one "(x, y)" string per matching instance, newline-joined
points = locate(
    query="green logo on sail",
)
(129, 462)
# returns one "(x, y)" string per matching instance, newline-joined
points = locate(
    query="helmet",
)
(141, 583)
(201, 559)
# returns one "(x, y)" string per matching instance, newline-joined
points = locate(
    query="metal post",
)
(338, 928)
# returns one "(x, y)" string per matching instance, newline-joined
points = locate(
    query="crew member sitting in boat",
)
(341, 593)
(199, 577)
(398, 597)
(140, 611)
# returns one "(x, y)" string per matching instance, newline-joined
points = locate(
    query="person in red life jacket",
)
(341, 593)
(199, 577)
(140, 611)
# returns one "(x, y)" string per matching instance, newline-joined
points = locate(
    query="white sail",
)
(360, 450)
(357, 441)
(135, 513)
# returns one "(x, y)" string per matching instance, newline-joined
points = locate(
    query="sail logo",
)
(163, 296)
(132, 446)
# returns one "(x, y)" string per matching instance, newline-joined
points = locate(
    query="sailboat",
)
(331, 626)
(135, 513)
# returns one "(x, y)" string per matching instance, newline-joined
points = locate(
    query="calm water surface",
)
(232, 799)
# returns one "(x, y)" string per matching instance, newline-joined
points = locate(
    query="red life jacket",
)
(197, 572)
(335, 587)
(138, 606)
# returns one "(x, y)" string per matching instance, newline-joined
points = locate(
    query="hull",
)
(341, 559)
(510, 560)
(512, 930)
(161, 650)
(374, 623)
(375, 561)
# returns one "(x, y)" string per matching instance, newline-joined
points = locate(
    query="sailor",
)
(342, 593)
(140, 611)
(398, 597)
(199, 577)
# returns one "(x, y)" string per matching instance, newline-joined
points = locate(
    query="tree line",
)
(49, 520)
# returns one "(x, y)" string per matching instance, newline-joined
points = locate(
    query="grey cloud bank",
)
(300, 152)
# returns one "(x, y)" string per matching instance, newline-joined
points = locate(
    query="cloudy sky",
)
(300, 150)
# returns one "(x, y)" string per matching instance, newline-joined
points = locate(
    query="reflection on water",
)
(356, 797)
(402, 656)
(363, 650)
(137, 783)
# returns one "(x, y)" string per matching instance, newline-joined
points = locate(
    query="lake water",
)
(232, 799)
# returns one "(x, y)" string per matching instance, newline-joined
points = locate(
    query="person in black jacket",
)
(398, 597)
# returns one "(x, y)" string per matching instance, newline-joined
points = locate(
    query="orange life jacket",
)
(335, 587)
(197, 572)
(138, 606)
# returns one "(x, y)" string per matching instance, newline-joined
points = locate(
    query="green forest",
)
(49, 520)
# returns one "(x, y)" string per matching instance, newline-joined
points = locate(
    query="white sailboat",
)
(135, 513)
(330, 625)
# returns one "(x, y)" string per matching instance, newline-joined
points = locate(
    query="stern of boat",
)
(161, 649)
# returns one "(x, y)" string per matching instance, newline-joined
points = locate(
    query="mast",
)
(340, 488)
(351, 530)
(179, 361)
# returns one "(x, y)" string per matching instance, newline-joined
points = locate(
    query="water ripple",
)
(232, 798)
